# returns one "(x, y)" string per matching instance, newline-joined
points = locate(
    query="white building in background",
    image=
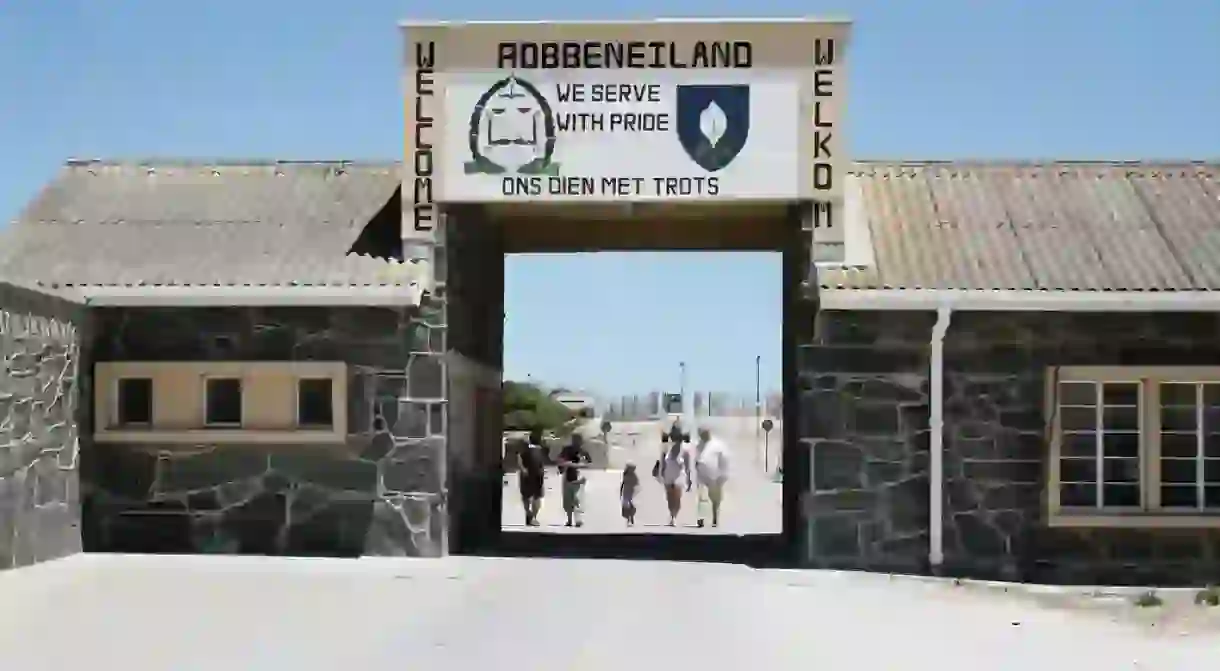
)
(580, 403)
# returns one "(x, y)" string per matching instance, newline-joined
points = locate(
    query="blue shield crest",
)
(713, 123)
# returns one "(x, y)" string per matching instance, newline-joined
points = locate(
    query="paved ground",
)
(209, 612)
(145, 613)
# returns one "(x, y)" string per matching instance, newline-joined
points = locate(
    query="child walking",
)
(627, 490)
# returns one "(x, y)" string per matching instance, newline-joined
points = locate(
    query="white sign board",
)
(664, 110)
(603, 136)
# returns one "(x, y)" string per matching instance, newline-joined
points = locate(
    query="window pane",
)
(1077, 393)
(314, 407)
(1078, 470)
(1180, 496)
(1121, 393)
(1211, 445)
(1079, 444)
(1211, 395)
(1078, 495)
(1179, 471)
(1178, 419)
(1121, 418)
(1211, 471)
(1211, 419)
(1121, 444)
(135, 401)
(1078, 419)
(1211, 496)
(1127, 496)
(224, 401)
(1179, 394)
(1179, 445)
(1121, 470)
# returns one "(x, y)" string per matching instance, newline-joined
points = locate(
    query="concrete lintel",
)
(1019, 301)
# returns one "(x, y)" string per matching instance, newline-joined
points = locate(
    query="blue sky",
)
(306, 79)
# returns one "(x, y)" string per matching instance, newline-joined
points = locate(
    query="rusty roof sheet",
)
(1074, 226)
(188, 224)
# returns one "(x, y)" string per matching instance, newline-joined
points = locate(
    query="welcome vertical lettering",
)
(423, 164)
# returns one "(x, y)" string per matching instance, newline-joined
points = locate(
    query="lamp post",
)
(682, 388)
(758, 402)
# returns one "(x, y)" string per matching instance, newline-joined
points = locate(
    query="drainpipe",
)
(936, 481)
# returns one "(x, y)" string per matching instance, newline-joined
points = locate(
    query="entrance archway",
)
(476, 239)
(653, 135)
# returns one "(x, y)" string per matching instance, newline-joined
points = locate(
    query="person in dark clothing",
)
(531, 462)
(572, 459)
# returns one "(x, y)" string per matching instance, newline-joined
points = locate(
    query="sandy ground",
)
(213, 612)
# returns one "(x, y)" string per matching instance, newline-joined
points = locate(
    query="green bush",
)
(528, 407)
(1149, 599)
(1208, 596)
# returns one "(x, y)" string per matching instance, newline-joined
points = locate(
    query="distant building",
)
(584, 405)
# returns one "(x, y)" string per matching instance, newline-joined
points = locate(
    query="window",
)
(1140, 440)
(134, 402)
(315, 406)
(1099, 452)
(1189, 456)
(222, 402)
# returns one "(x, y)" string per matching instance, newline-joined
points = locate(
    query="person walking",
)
(573, 459)
(531, 473)
(671, 467)
(626, 492)
(711, 472)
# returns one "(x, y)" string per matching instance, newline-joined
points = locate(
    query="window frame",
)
(309, 426)
(116, 414)
(241, 386)
(1150, 513)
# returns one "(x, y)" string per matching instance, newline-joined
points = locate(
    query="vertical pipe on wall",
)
(936, 421)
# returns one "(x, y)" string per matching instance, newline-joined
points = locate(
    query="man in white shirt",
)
(712, 471)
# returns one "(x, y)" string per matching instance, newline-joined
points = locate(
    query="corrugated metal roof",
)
(1085, 226)
(201, 224)
(1082, 226)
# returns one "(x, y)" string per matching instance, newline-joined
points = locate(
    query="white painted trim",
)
(221, 436)
(1019, 301)
(197, 296)
(936, 422)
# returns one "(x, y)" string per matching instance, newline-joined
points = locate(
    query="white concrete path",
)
(241, 613)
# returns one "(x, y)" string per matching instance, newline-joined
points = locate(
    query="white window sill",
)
(198, 436)
(1104, 520)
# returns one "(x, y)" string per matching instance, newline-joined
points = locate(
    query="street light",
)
(682, 388)
(757, 399)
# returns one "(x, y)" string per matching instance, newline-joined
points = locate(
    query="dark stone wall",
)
(470, 286)
(379, 493)
(865, 407)
(863, 413)
(40, 356)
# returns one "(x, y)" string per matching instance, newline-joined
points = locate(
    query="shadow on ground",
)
(756, 550)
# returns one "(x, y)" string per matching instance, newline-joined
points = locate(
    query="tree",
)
(527, 407)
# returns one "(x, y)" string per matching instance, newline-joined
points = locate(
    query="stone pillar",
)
(471, 289)
(40, 413)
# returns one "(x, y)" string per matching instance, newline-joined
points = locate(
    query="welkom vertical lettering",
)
(824, 136)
